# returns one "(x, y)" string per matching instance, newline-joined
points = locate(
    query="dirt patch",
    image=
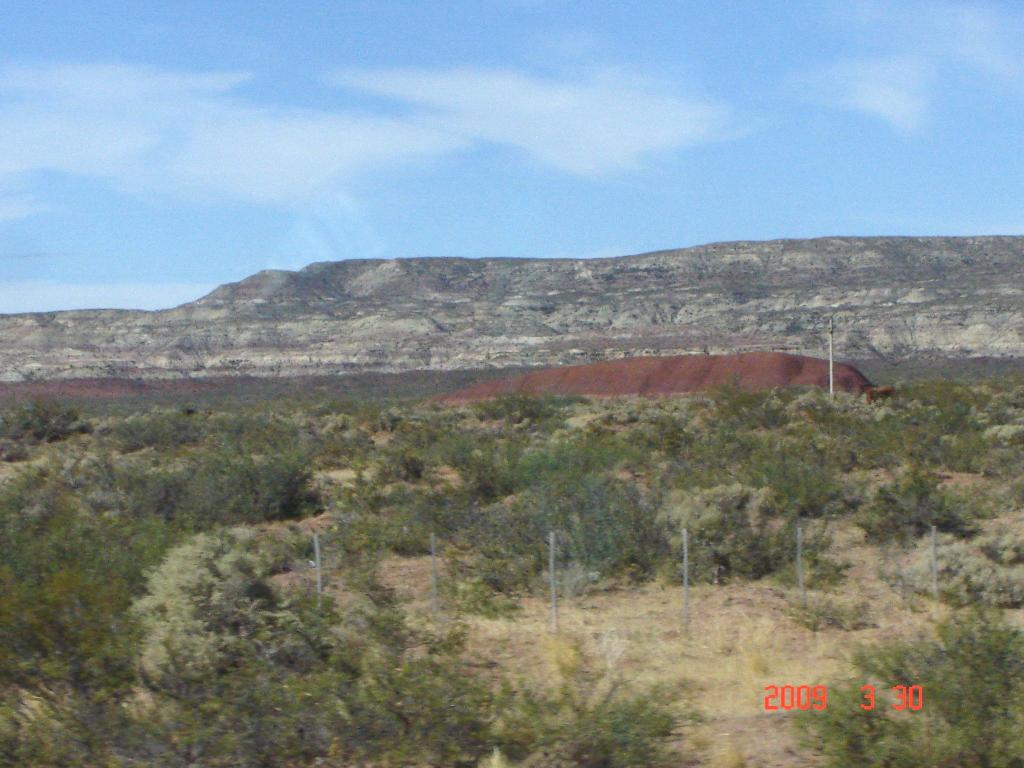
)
(654, 376)
(961, 480)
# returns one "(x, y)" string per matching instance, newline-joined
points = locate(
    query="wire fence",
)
(566, 578)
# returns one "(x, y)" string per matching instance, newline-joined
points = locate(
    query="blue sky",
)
(147, 155)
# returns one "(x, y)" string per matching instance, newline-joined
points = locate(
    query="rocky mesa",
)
(891, 297)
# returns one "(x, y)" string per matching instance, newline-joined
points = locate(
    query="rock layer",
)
(891, 298)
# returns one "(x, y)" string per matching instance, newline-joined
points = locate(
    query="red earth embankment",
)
(654, 376)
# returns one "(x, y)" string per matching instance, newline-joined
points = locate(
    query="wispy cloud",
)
(191, 135)
(196, 136)
(44, 296)
(911, 49)
(18, 206)
(895, 89)
(608, 121)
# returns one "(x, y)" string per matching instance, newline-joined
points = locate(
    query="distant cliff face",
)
(891, 297)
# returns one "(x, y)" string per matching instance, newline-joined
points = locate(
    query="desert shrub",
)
(982, 573)
(804, 477)
(575, 580)
(741, 409)
(602, 523)
(216, 487)
(1005, 544)
(161, 429)
(669, 434)
(587, 453)
(737, 531)
(907, 507)
(517, 409)
(972, 674)
(489, 468)
(42, 421)
(67, 578)
(401, 527)
(586, 721)
(479, 585)
(224, 487)
(12, 451)
(241, 672)
(48, 521)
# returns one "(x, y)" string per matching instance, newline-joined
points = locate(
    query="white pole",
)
(433, 574)
(831, 376)
(319, 573)
(800, 564)
(551, 576)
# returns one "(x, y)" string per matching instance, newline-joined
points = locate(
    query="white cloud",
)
(276, 157)
(18, 206)
(44, 296)
(916, 49)
(981, 38)
(894, 89)
(605, 122)
(144, 130)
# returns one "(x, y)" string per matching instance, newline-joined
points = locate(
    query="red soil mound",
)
(653, 376)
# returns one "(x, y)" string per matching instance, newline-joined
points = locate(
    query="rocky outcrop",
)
(891, 297)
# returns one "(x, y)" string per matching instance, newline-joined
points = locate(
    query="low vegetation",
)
(157, 602)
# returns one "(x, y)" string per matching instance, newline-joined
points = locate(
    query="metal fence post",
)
(800, 564)
(433, 574)
(319, 571)
(551, 577)
(686, 581)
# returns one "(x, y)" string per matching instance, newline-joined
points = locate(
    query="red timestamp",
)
(785, 698)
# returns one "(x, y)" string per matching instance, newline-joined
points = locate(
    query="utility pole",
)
(831, 376)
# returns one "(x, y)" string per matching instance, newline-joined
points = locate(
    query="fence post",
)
(800, 564)
(319, 572)
(935, 567)
(551, 577)
(686, 581)
(433, 574)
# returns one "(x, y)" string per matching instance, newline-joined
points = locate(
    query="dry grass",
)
(741, 639)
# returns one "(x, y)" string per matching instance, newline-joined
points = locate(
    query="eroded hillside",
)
(891, 298)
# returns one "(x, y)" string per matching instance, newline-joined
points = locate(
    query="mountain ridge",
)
(892, 297)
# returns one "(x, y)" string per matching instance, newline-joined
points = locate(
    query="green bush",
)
(225, 487)
(164, 430)
(982, 573)
(244, 673)
(42, 421)
(907, 508)
(972, 675)
(803, 475)
(737, 531)
(588, 721)
(519, 409)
